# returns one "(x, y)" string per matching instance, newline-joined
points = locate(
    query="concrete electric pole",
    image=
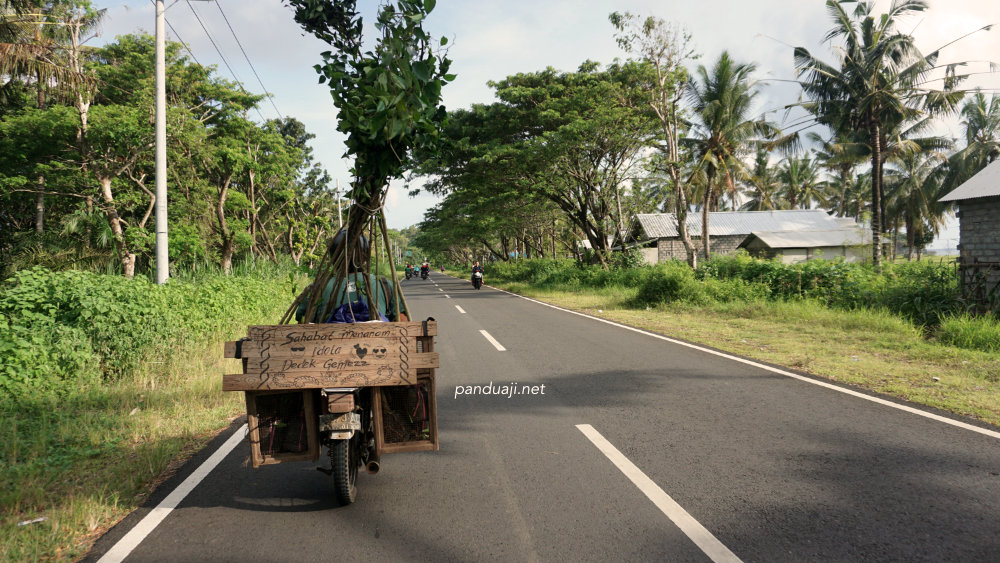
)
(162, 256)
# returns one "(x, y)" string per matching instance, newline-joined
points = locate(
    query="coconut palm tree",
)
(914, 184)
(33, 35)
(722, 129)
(801, 183)
(877, 85)
(840, 157)
(762, 191)
(981, 122)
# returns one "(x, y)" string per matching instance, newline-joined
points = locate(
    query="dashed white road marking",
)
(460, 310)
(448, 296)
(134, 537)
(492, 340)
(704, 539)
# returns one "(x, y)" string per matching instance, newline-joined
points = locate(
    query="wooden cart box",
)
(285, 367)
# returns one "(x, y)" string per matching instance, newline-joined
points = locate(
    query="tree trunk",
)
(227, 256)
(910, 237)
(114, 221)
(224, 234)
(844, 179)
(705, 240)
(40, 207)
(876, 196)
(553, 239)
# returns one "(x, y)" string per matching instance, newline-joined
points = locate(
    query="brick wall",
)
(979, 229)
(673, 248)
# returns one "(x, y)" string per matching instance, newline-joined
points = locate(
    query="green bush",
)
(922, 292)
(64, 330)
(974, 333)
(669, 282)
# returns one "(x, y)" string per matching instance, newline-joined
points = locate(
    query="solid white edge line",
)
(460, 309)
(492, 340)
(906, 408)
(691, 528)
(134, 537)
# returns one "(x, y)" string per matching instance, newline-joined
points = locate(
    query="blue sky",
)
(489, 40)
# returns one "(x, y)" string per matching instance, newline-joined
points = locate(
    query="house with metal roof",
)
(978, 202)
(851, 244)
(795, 235)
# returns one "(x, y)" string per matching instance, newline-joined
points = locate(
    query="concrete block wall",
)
(673, 248)
(979, 229)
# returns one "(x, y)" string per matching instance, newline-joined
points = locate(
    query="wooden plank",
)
(306, 366)
(373, 351)
(229, 350)
(277, 380)
(286, 335)
(256, 459)
(339, 402)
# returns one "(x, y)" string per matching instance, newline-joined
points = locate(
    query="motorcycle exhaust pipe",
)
(373, 465)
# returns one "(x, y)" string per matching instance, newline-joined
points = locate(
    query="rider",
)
(425, 269)
(357, 286)
(409, 269)
(477, 268)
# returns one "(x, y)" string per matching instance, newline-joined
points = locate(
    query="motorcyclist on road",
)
(477, 269)
(425, 269)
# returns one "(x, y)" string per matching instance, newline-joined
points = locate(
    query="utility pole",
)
(162, 256)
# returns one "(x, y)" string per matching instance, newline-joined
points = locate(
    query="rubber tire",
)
(345, 472)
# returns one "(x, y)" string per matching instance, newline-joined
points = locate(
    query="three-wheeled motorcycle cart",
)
(360, 390)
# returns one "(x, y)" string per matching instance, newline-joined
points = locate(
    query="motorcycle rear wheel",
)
(343, 459)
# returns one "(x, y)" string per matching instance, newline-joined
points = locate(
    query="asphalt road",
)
(735, 461)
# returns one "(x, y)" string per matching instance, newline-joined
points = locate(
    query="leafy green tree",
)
(388, 102)
(663, 50)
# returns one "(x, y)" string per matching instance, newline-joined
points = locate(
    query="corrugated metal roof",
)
(811, 239)
(664, 225)
(985, 183)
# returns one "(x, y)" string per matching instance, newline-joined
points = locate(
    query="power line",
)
(221, 56)
(177, 35)
(259, 81)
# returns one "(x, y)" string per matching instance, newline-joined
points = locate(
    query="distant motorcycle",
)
(477, 279)
(409, 274)
(424, 272)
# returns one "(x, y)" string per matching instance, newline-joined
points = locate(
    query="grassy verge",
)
(873, 350)
(84, 459)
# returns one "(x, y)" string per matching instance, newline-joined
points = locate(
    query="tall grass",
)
(103, 382)
(924, 294)
(974, 333)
